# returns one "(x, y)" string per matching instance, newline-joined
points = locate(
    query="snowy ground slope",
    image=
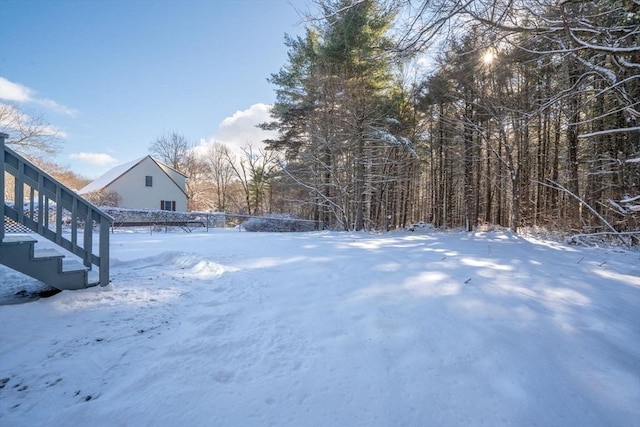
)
(332, 329)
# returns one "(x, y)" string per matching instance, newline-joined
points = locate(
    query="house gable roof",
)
(109, 176)
(166, 167)
(118, 171)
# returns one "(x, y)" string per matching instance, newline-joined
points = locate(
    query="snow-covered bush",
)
(103, 197)
(278, 223)
(421, 226)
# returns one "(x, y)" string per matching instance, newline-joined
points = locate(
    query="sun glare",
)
(488, 57)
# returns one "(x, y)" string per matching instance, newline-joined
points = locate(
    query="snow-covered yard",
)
(228, 328)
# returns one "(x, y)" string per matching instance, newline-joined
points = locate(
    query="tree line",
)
(528, 114)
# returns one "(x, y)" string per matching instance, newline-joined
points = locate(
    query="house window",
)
(148, 181)
(168, 205)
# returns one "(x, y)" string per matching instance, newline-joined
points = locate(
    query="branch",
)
(578, 198)
(609, 131)
(316, 191)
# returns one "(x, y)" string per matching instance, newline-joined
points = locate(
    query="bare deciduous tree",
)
(27, 133)
(255, 171)
(220, 170)
(173, 149)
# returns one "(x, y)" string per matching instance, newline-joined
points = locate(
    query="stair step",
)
(17, 239)
(46, 254)
(69, 264)
(45, 264)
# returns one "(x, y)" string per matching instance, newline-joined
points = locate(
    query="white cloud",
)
(54, 106)
(15, 92)
(256, 110)
(240, 129)
(101, 159)
(10, 91)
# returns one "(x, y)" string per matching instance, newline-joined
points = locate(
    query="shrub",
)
(103, 197)
(278, 223)
(421, 226)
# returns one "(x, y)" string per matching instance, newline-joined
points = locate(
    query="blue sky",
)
(114, 75)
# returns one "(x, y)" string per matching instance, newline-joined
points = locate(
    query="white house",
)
(146, 183)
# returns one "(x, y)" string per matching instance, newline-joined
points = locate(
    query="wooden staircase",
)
(42, 206)
(46, 265)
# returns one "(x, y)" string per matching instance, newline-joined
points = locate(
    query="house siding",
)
(175, 175)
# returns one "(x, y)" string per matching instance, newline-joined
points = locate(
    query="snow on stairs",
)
(47, 265)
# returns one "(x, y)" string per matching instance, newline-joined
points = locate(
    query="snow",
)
(390, 138)
(232, 328)
(109, 176)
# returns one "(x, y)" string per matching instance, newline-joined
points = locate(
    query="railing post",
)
(3, 136)
(103, 252)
